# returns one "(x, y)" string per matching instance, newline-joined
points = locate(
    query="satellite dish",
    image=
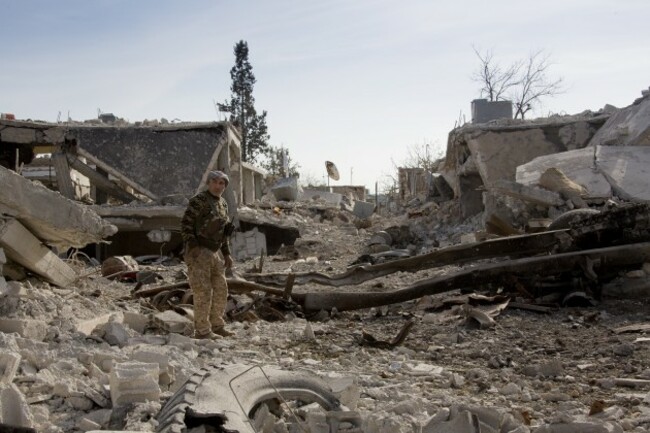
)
(332, 171)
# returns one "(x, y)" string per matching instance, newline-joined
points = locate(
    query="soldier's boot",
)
(222, 331)
(207, 336)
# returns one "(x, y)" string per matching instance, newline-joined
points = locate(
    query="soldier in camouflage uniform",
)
(205, 230)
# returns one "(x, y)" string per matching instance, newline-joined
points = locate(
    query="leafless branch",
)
(495, 80)
(535, 84)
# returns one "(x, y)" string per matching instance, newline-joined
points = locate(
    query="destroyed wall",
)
(616, 162)
(413, 183)
(358, 191)
(629, 126)
(164, 160)
(481, 155)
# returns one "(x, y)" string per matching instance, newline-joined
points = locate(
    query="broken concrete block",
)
(498, 153)
(84, 424)
(115, 334)
(286, 189)
(14, 409)
(50, 216)
(159, 357)
(26, 328)
(9, 363)
(3, 257)
(181, 341)
(317, 422)
(346, 389)
(171, 321)
(627, 169)
(87, 326)
(106, 361)
(136, 321)
(527, 193)
(363, 209)
(134, 382)
(248, 244)
(35, 353)
(578, 165)
(629, 126)
(101, 417)
(24, 248)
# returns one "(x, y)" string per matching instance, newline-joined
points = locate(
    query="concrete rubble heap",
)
(510, 297)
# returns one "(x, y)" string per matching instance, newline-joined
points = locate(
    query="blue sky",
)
(356, 82)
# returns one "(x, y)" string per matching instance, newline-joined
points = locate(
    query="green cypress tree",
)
(241, 106)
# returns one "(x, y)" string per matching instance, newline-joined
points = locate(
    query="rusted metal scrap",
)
(618, 226)
(235, 285)
(610, 259)
(368, 340)
(513, 246)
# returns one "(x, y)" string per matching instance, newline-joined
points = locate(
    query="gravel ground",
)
(559, 371)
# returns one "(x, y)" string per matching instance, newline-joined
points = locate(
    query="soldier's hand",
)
(228, 229)
(227, 262)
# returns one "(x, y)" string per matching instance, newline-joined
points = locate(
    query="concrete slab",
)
(134, 382)
(498, 154)
(527, 193)
(9, 363)
(26, 328)
(628, 170)
(14, 409)
(248, 244)
(25, 249)
(578, 165)
(52, 218)
(629, 126)
(286, 189)
(363, 209)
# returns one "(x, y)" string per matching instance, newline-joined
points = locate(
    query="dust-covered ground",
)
(570, 369)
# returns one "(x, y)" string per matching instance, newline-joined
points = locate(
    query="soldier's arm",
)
(225, 247)
(187, 224)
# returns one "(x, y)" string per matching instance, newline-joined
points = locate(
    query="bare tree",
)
(496, 81)
(524, 82)
(425, 155)
(534, 84)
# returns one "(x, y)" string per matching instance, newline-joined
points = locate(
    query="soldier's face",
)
(216, 186)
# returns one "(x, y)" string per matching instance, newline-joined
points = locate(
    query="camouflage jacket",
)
(203, 223)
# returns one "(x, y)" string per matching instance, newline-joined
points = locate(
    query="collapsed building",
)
(513, 171)
(100, 354)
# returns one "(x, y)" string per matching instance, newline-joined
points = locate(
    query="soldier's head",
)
(217, 182)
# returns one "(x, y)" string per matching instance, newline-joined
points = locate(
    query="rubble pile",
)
(515, 303)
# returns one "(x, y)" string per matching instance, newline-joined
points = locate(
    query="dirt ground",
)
(564, 370)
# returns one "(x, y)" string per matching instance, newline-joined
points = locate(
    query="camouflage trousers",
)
(207, 277)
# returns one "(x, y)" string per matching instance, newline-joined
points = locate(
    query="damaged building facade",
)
(511, 171)
(137, 176)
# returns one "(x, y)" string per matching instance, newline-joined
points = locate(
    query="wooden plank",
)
(62, 170)
(25, 249)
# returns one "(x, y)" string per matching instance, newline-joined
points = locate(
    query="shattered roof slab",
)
(165, 160)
